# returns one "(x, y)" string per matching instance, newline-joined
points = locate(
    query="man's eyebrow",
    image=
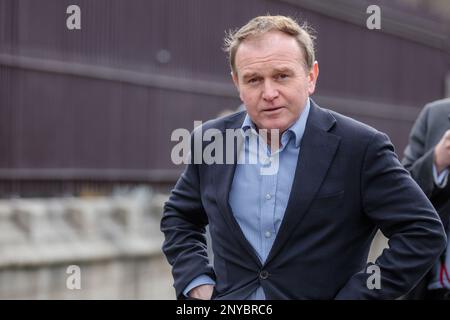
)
(249, 75)
(283, 70)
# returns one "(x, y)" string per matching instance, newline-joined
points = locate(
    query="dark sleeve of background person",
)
(417, 160)
(419, 156)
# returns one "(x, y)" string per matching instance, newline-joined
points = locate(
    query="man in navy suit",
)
(302, 230)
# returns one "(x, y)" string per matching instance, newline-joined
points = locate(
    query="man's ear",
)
(312, 78)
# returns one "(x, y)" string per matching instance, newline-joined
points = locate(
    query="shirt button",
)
(263, 275)
(268, 196)
(267, 161)
(268, 234)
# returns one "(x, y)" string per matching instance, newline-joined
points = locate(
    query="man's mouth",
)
(272, 109)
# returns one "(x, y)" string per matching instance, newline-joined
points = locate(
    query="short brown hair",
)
(262, 24)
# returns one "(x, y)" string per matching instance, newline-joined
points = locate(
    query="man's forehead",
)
(272, 46)
(275, 61)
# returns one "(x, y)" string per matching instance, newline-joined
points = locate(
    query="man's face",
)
(272, 80)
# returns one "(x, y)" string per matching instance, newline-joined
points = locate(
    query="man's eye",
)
(282, 76)
(252, 80)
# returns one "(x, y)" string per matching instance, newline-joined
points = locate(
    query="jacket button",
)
(264, 275)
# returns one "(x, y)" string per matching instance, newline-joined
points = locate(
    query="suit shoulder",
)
(352, 127)
(221, 122)
(357, 135)
(438, 106)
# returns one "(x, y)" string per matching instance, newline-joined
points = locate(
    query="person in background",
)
(427, 158)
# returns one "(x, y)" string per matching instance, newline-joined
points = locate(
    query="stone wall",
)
(109, 247)
(112, 243)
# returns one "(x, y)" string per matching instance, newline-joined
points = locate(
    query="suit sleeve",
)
(397, 206)
(183, 224)
(417, 160)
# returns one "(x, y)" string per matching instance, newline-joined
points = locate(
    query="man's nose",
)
(270, 91)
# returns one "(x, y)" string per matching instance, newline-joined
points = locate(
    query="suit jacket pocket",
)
(327, 201)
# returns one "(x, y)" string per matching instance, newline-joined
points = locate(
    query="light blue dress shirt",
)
(258, 201)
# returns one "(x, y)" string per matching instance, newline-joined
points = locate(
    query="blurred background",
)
(86, 118)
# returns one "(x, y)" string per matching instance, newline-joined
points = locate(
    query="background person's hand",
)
(442, 152)
(203, 292)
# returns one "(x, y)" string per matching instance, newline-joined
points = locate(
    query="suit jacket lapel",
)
(317, 151)
(223, 177)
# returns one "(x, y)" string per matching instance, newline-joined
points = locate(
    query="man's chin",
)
(275, 125)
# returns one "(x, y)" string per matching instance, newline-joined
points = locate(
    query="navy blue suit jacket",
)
(348, 183)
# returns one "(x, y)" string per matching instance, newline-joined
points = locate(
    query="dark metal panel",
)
(98, 103)
(74, 122)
